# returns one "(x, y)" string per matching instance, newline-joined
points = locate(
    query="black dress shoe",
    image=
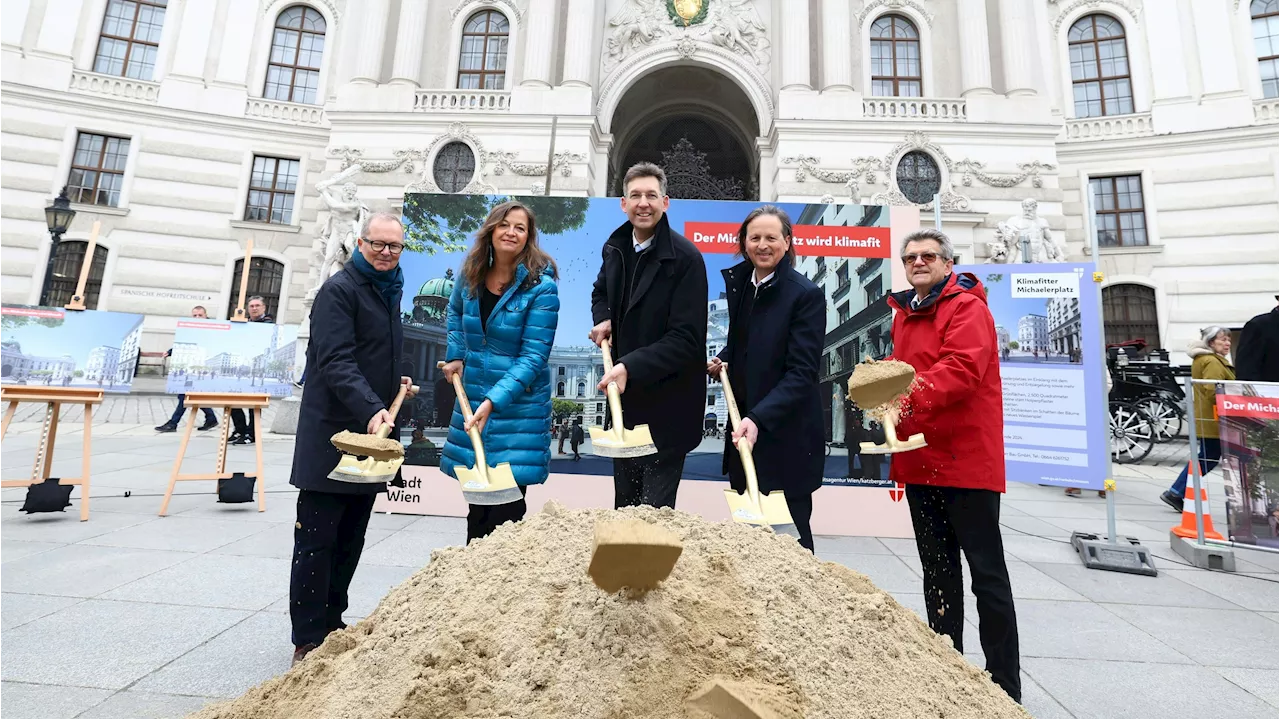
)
(207, 425)
(167, 427)
(301, 652)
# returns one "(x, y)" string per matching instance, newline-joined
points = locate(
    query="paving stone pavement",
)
(131, 615)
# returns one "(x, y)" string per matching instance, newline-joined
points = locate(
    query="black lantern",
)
(58, 216)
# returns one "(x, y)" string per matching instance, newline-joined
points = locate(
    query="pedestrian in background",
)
(210, 419)
(1208, 361)
(243, 422)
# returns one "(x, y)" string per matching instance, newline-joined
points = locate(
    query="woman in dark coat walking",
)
(777, 319)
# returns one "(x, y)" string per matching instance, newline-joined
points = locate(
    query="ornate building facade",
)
(188, 127)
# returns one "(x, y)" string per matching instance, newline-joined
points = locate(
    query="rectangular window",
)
(844, 312)
(271, 189)
(711, 400)
(873, 289)
(130, 38)
(1118, 209)
(97, 169)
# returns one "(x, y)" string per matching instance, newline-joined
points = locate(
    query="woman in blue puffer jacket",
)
(502, 322)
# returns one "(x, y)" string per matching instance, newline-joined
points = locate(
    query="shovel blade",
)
(622, 442)
(632, 553)
(772, 514)
(365, 471)
(489, 486)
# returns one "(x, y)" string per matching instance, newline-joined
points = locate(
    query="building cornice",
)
(1159, 145)
(114, 109)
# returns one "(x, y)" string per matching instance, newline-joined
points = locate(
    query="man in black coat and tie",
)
(650, 301)
(1259, 340)
(353, 362)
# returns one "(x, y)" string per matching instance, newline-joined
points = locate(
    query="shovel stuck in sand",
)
(728, 699)
(370, 458)
(482, 484)
(632, 553)
(618, 441)
(769, 511)
(877, 386)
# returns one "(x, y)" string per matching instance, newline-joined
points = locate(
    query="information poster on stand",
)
(1048, 333)
(238, 357)
(53, 347)
(1249, 428)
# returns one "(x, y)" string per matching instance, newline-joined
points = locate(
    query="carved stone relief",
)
(734, 25)
(874, 5)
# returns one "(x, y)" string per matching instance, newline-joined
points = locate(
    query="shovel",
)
(370, 458)
(618, 441)
(769, 511)
(482, 485)
(725, 698)
(877, 386)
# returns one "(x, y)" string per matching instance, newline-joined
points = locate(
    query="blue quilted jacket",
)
(508, 366)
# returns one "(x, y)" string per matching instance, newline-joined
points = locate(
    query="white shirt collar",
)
(638, 245)
(761, 282)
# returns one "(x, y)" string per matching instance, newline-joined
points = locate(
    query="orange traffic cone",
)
(1187, 529)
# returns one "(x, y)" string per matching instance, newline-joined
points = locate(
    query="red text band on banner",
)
(205, 325)
(1230, 405)
(29, 312)
(809, 240)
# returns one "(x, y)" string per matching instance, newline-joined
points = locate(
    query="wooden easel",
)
(53, 399)
(239, 315)
(194, 402)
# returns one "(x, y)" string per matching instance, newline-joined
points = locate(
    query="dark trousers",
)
(801, 508)
(243, 422)
(209, 416)
(651, 480)
(1210, 453)
(327, 541)
(948, 520)
(483, 519)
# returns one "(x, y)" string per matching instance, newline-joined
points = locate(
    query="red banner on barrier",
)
(1242, 406)
(33, 312)
(810, 240)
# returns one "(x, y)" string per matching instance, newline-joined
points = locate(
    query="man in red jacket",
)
(944, 330)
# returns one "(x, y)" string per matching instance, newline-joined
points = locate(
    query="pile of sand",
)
(513, 627)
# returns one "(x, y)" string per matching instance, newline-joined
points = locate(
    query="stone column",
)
(1016, 36)
(194, 37)
(1218, 70)
(539, 36)
(410, 37)
(580, 45)
(837, 62)
(1164, 43)
(370, 36)
(975, 48)
(795, 44)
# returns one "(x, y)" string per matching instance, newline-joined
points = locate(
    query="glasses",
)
(380, 246)
(928, 257)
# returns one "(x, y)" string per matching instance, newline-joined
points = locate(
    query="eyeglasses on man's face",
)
(928, 257)
(379, 246)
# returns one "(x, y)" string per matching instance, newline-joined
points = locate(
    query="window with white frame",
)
(272, 185)
(297, 46)
(1266, 43)
(97, 169)
(482, 60)
(1100, 79)
(1118, 210)
(130, 38)
(895, 57)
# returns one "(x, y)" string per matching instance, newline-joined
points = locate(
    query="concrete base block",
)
(286, 416)
(1206, 556)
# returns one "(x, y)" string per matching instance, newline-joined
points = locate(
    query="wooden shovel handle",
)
(77, 300)
(465, 405)
(611, 390)
(744, 447)
(385, 430)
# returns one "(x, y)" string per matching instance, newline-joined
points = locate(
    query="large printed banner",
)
(845, 249)
(1048, 334)
(237, 357)
(1249, 429)
(50, 347)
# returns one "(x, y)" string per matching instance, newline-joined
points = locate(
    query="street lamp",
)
(58, 217)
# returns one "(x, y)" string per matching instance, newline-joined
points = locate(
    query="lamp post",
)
(58, 217)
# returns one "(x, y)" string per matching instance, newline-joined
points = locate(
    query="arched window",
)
(1099, 67)
(130, 38)
(482, 62)
(582, 389)
(66, 274)
(266, 279)
(454, 166)
(918, 177)
(297, 45)
(1266, 42)
(895, 57)
(559, 389)
(1129, 313)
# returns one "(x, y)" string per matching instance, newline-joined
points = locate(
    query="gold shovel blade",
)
(743, 510)
(365, 471)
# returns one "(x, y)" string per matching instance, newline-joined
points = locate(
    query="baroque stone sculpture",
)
(1029, 226)
(346, 215)
(734, 25)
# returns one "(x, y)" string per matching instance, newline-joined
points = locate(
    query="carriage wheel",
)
(1132, 433)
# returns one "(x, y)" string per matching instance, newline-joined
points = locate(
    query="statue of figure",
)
(1034, 229)
(634, 27)
(346, 215)
(738, 28)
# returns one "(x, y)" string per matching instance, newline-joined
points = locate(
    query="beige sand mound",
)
(513, 627)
